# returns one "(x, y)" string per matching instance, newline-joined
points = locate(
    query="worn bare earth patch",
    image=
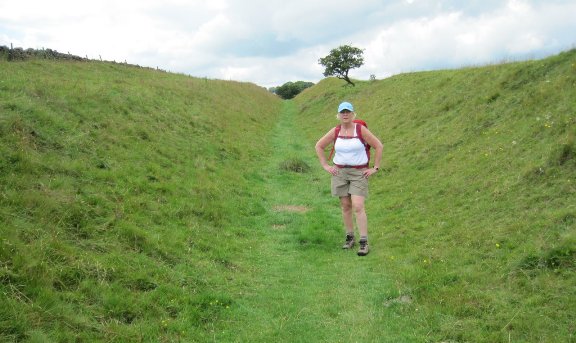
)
(291, 208)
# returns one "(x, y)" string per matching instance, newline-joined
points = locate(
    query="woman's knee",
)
(358, 208)
(358, 205)
(346, 204)
(346, 207)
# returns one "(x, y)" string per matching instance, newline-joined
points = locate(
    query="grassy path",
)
(304, 287)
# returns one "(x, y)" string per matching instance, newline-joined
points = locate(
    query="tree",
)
(291, 89)
(340, 60)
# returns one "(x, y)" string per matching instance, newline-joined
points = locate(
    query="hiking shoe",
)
(363, 251)
(349, 242)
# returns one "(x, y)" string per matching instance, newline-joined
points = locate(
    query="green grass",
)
(137, 205)
(305, 288)
(118, 198)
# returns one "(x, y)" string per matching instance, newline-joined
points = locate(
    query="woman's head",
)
(345, 108)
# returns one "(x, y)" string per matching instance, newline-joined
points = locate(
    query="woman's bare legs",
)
(354, 205)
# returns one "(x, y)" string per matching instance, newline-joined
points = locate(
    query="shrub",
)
(291, 89)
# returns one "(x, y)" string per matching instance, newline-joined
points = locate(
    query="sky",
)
(271, 42)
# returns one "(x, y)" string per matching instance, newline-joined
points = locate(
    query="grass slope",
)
(116, 184)
(477, 200)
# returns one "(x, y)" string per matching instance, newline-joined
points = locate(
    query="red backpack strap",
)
(359, 135)
(336, 133)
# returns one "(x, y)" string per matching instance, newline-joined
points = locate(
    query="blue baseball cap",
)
(345, 106)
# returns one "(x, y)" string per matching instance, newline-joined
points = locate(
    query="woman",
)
(350, 171)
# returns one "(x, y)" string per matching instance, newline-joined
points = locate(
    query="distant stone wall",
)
(19, 54)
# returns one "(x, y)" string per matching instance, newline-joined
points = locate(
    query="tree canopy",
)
(340, 60)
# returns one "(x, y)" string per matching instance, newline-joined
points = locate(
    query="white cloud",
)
(449, 40)
(270, 42)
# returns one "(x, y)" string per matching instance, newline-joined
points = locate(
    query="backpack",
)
(358, 134)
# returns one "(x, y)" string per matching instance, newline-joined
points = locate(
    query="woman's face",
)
(346, 116)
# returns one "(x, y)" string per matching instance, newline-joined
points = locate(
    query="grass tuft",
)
(296, 165)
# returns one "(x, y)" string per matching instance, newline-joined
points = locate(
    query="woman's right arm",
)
(321, 146)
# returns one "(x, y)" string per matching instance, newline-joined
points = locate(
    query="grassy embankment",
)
(477, 201)
(119, 193)
(142, 206)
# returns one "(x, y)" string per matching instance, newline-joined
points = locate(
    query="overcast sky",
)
(270, 42)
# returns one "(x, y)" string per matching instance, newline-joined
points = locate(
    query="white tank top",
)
(349, 150)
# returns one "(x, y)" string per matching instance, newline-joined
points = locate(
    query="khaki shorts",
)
(349, 181)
